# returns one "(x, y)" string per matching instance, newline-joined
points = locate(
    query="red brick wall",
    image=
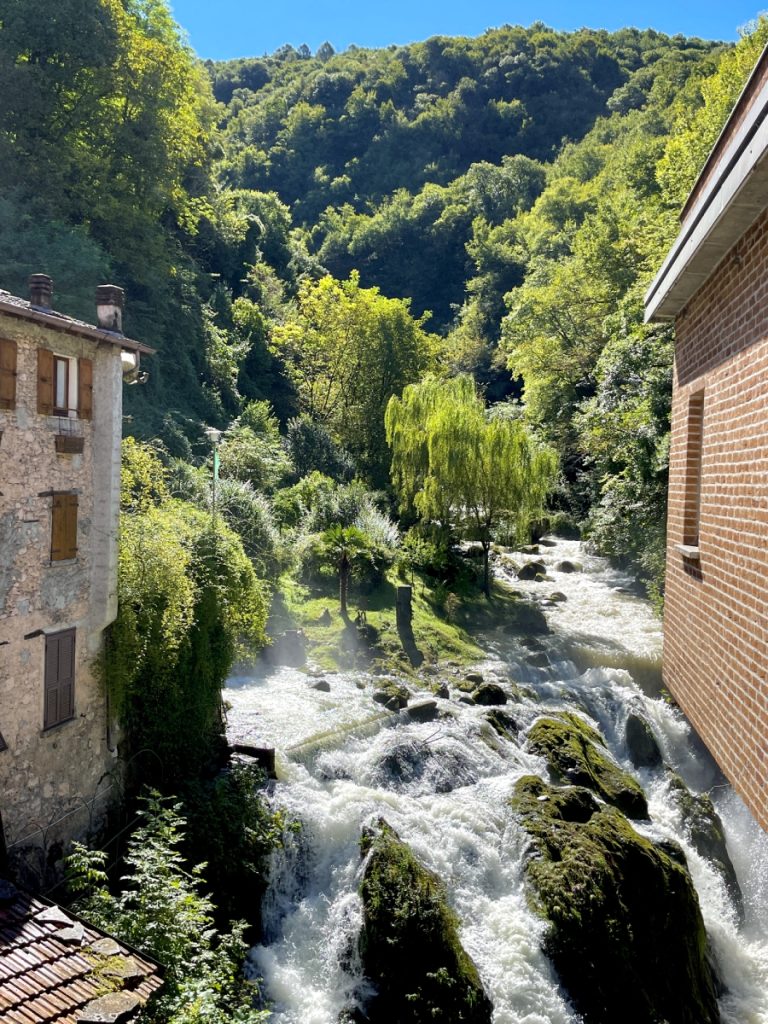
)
(716, 613)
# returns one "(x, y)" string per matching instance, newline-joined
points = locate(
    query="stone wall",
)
(49, 778)
(716, 612)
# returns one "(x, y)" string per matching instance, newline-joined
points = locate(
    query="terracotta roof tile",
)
(45, 979)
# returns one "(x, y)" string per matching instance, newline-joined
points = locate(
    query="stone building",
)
(714, 286)
(60, 428)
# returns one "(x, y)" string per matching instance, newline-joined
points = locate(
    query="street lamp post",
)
(215, 436)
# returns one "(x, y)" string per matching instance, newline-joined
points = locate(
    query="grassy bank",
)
(444, 624)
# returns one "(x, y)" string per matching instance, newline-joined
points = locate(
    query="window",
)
(60, 386)
(63, 527)
(7, 374)
(64, 385)
(693, 459)
(59, 687)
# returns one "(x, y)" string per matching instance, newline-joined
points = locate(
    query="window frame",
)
(58, 362)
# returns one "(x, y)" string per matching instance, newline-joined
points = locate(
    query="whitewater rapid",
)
(444, 786)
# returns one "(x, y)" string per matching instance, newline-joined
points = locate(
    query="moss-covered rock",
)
(708, 836)
(503, 723)
(575, 753)
(626, 934)
(409, 943)
(489, 694)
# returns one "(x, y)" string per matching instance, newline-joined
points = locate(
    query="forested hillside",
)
(297, 228)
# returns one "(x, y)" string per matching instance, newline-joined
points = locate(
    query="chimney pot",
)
(109, 307)
(40, 290)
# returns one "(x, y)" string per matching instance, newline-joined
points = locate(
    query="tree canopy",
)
(463, 470)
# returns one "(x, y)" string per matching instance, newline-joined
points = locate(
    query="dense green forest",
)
(302, 236)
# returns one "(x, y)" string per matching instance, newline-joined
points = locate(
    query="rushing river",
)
(444, 786)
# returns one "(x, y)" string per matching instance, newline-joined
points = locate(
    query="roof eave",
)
(66, 326)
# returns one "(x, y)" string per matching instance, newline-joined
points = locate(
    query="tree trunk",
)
(486, 568)
(343, 583)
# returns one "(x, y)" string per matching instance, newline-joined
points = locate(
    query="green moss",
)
(575, 753)
(707, 836)
(626, 933)
(409, 943)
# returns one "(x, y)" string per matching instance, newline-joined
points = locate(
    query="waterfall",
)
(444, 785)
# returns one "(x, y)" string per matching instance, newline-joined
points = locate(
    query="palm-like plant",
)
(345, 545)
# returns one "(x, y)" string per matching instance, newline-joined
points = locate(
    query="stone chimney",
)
(40, 290)
(109, 307)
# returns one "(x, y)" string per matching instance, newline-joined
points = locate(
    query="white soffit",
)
(735, 197)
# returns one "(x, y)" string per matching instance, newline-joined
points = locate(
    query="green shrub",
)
(162, 912)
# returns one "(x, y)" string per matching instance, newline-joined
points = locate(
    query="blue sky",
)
(244, 28)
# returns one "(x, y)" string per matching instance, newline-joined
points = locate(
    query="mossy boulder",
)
(391, 694)
(502, 723)
(409, 942)
(532, 571)
(489, 694)
(626, 934)
(575, 753)
(525, 618)
(708, 836)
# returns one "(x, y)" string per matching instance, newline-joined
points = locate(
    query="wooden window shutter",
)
(59, 690)
(85, 389)
(63, 527)
(7, 374)
(45, 381)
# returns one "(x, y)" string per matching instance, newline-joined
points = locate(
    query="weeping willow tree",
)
(456, 467)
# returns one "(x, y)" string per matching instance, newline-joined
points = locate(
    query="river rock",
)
(641, 743)
(529, 549)
(466, 699)
(422, 710)
(557, 596)
(409, 942)
(531, 571)
(474, 677)
(489, 693)
(526, 618)
(322, 685)
(707, 835)
(625, 933)
(575, 753)
(538, 659)
(566, 566)
(393, 696)
(441, 690)
(503, 723)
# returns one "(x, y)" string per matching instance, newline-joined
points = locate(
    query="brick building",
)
(714, 286)
(60, 429)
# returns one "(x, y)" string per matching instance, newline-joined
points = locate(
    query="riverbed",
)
(444, 786)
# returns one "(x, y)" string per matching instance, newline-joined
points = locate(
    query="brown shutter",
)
(59, 687)
(7, 374)
(85, 389)
(45, 381)
(63, 527)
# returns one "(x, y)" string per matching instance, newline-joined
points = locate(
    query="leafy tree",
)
(252, 450)
(347, 350)
(461, 469)
(189, 601)
(161, 911)
(311, 447)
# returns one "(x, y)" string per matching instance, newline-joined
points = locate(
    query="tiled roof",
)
(18, 307)
(54, 968)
